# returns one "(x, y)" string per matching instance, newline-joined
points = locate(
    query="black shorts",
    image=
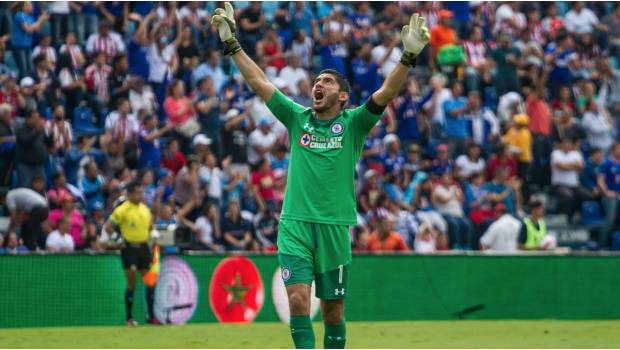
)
(138, 255)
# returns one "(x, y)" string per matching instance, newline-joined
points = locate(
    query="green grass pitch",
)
(404, 334)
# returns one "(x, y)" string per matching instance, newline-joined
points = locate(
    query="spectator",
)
(251, 22)
(92, 185)
(237, 231)
(519, 139)
(443, 163)
(237, 126)
(59, 240)
(180, 113)
(187, 181)
(212, 177)
(72, 83)
(426, 240)
(412, 120)
(387, 54)
(482, 125)
(598, 126)
(28, 210)
(208, 107)
(269, 48)
(302, 47)
(404, 222)
(208, 229)
(566, 165)
(303, 96)
(32, 148)
(119, 79)
(172, 158)
(448, 199)
(141, 97)
(149, 142)
(588, 177)
(7, 142)
(507, 60)
(581, 19)
(533, 234)
(266, 224)
(293, 73)
(393, 158)
(73, 50)
(503, 233)
(60, 131)
(609, 184)
(385, 239)
(13, 244)
(477, 52)
(211, 69)
(442, 34)
(59, 190)
(261, 142)
(105, 40)
(470, 163)
(121, 125)
(504, 190)
(97, 80)
(22, 32)
(46, 50)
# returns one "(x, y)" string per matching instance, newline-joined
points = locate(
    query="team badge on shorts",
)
(305, 139)
(286, 274)
(337, 128)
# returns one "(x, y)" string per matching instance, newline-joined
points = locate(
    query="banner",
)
(71, 290)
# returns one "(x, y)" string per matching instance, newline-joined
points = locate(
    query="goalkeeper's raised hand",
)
(414, 36)
(224, 20)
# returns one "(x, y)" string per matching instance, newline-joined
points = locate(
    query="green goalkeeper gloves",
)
(224, 20)
(414, 36)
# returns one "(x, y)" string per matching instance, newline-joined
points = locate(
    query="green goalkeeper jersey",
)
(320, 186)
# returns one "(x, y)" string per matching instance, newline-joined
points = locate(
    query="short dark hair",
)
(132, 186)
(342, 81)
(535, 204)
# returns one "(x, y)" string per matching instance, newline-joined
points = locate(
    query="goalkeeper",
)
(319, 205)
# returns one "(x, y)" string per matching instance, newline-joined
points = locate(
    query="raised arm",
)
(224, 20)
(414, 36)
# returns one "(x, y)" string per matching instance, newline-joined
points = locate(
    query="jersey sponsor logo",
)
(176, 295)
(286, 274)
(337, 128)
(318, 142)
(305, 139)
(236, 293)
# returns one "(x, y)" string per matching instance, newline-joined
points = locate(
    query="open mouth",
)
(318, 95)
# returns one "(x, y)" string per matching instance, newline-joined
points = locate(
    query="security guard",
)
(534, 229)
(133, 219)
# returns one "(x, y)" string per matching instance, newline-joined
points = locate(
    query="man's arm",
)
(224, 20)
(414, 36)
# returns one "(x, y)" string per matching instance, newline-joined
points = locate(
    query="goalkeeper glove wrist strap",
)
(408, 59)
(231, 46)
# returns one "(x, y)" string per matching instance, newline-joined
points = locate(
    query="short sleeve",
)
(364, 120)
(284, 108)
(117, 215)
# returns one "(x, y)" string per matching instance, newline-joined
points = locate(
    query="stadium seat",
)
(591, 213)
(83, 122)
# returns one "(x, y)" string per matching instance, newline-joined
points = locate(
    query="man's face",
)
(326, 93)
(214, 59)
(597, 158)
(616, 151)
(136, 195)
(12, 241)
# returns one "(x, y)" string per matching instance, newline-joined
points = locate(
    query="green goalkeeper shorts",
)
(319, 252)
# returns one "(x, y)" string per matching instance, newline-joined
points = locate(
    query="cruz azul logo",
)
(337, 128)
(317, 142)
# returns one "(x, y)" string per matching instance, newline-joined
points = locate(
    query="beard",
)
(329, 102)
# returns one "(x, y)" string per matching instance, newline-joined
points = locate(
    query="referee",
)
(133, 218)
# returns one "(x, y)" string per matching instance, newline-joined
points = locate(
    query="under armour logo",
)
(308, 127)
(339, 291)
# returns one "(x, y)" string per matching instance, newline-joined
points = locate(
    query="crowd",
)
(509, 101)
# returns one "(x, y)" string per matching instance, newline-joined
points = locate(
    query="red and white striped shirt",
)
(48, 51)
(476, 52)
(111, 44)
(97, 79)
(75, 52)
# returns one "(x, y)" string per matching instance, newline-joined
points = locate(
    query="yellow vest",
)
(534, 236)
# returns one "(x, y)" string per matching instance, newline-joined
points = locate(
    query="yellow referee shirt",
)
(134, 221)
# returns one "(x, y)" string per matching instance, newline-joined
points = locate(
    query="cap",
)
(443, 147)
(369, 173)
(521, 119)
(201, 139)
(232, 113)
(264, 121)
(27, 82)
(163, 172)
(280, 83)
(389, 138)
(445, 14)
